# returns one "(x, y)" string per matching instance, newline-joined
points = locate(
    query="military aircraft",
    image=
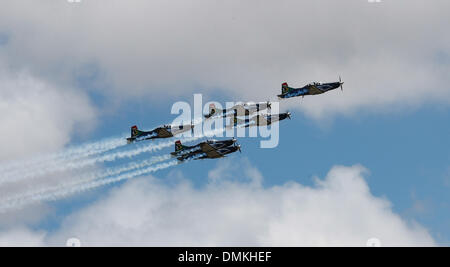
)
(164, 131)
(314, 88)
(209, 149)
(240, 109)
(259, 120)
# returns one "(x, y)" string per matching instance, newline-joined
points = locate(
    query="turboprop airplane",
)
(164, 131)
(259, 120)
(314, 88)
(210, 149)
(240, 109)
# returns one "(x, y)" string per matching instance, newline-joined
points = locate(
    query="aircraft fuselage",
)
(310, 89)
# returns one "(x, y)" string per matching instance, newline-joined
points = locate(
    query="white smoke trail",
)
(57, 166)
(102, 182)
(58, 193)
(70, 153)
(89, 149)
(16, 200)
(21, 174)
(61, 190)
(22, 167)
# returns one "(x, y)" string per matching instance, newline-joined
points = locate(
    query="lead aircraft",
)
(314, 88)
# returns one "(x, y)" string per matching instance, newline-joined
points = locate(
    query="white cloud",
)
(338, 210)
(22, 237)
(37, 116)
(226, 171)
(246, 48)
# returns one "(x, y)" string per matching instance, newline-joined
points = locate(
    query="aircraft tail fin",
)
(212, 110)
(178, 146)
(134, 131)
(284, 88)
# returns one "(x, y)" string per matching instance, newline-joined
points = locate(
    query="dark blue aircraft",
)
(210, 149)
(164, 131)
(314, 88)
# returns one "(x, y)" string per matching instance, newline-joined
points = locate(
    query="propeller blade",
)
(269, 105)
(340, 81)
(288, 115)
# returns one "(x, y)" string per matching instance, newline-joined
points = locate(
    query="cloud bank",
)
(38, 116)
(53, 54)
(236, 210)
(392, 55)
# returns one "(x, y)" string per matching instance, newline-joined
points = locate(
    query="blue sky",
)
(406, 154)
(75, 77)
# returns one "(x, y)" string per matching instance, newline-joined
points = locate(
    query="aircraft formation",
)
(212, 149)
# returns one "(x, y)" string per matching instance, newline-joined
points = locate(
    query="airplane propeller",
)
(192, 127)
(269, 105)
(340, 81)
(239, 148)
(288, 115)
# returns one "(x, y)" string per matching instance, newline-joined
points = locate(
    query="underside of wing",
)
(213, 154)
(180, 129)
(261, 120)
(240, 110)
(206, 147)
(163, 132)
(210, 151)
(313, 90)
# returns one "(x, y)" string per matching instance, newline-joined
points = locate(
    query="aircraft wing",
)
(261, 120)
(210, 151)
(213, 154)
(181, 129)
(240, 110)
(162, 132)
(314, 90)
